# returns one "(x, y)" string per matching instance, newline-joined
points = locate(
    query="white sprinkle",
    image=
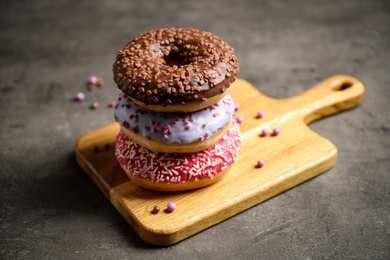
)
(126, 155)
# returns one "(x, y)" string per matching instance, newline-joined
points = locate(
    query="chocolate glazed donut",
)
(175, 70)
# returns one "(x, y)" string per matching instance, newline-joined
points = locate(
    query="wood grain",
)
(292, 157)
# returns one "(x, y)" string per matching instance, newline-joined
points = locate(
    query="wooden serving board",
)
(294, 156)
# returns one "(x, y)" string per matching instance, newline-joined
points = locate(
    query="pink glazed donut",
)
(178, 171)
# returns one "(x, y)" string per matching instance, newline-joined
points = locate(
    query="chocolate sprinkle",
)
(95, 105)
(156, 209)
(175, 66)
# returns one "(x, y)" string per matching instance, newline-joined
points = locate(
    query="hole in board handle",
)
(342, 86)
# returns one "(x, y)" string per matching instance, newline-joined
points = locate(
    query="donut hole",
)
(174, 58)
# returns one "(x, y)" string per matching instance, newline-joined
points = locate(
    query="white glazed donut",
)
(175, 132)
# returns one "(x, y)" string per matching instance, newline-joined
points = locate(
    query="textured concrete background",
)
(50, 209)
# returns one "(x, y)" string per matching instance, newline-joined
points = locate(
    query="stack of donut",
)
(175, 113)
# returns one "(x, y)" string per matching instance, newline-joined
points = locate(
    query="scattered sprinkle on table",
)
(93, 80)
(240, 119)
(95, 105)
(100, 83)
(91, 86)
(237, 106)
(112, 104)
(80, 96)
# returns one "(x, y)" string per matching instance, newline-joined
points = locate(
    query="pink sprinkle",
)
(276, 131)
(187, 127)
(171, 206)
(260, 163)
(204, 125)
(201, 138)
(93, 80)
(260, 114)
(240, 119)
(265, 132)
(80, 96)
(237, 106)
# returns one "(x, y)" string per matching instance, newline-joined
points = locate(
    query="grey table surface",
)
(50, 209)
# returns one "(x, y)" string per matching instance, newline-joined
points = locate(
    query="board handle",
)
(338, 93)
